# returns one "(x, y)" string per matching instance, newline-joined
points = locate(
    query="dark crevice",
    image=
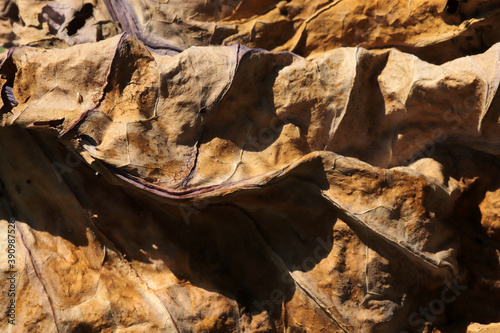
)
(452, 7)
(80, 18)
(51, 123)
(83, 328)
(8, 72)
(87, 140)
(10, 11)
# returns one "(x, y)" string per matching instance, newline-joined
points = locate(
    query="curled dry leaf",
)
(436, 30)
(54, 23)
(234, 189)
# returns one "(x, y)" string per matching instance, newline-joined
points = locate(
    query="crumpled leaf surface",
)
(231, 189)
(54, 23)
(436, 31)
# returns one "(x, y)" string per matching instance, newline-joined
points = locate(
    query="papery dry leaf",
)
(247, 190)
(55, 23)
(436, 31)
